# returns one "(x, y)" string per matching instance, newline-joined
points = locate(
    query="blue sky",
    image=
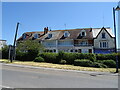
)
(34, 16)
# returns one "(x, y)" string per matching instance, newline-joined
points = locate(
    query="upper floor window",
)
(83, 43)
(83, 33)
(66, 34)
(24, 36)
(49, 35)
(103, 35)
(35, 36)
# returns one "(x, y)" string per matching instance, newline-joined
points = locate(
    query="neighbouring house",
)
(83, 40)
(2, 43)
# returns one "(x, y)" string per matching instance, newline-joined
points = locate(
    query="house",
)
(83, 40)
(2, 43)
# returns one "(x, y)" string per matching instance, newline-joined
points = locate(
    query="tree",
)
(4, 51)
(28, 50)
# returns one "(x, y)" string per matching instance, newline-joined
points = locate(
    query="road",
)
(23, 77)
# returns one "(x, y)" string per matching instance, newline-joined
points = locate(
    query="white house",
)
(2, 43)
(83, 40)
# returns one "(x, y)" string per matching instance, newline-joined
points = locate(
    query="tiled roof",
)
(74, 34)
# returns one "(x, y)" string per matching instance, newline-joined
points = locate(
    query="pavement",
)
(22, 76)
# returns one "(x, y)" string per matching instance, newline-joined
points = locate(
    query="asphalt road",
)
(19, 77)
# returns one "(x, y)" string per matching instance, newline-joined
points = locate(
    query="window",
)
(35, 36)
(24, 36)
(83, 33)
(49, 35)
(90, 50)
(66, 34)
(75, 50)
(103, 35)
(71, 50)
(104, 44)
(83, 43)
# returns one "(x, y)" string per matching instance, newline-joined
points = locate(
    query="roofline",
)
(101, 31)
(2, 40)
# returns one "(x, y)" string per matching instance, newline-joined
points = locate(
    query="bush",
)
(22, 56)
(89, 56)
(83, 62)
(5, 52)
(99, 65)
(39, 59)
(69, 57)
(119, 60)
(106, 56)
(109, 63)
(50, 57)
(63, 62)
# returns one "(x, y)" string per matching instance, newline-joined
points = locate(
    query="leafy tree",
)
(29, 49)
(4, 51)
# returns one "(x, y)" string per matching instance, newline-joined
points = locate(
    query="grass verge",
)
(59, 66)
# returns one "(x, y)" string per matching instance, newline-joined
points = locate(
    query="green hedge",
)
(39, 59)
(99, 65)
(5, 52)
(83, 62)
(109, 63)
(69, 57)
(50, 57)
(26, 56)
(89, 56)
(63, 62)
(106, 56)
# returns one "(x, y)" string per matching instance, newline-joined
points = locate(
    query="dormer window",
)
(24, 36)
(36, 36)
(83, 33)
(66, 34)
(49, 35)
(103, 35)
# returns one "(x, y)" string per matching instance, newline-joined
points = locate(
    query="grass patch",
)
(59, 66)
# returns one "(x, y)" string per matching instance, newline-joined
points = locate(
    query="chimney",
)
(45, 30)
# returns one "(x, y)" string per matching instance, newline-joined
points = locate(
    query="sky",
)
(34, 16)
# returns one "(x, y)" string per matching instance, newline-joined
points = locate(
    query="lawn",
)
(59, 66)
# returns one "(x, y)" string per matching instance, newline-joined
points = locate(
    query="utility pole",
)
(13, 51)
(118, 8)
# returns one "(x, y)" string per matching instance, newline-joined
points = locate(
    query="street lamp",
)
(115, 9)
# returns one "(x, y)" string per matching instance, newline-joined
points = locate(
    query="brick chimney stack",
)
(45, 30)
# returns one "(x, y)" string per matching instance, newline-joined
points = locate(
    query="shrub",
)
(89, 56)
(83, 62)
(50, 57)
(5, 52)
(109, 63)
(22, 56)
(60, 55)
(69, 57)
(119, 60)
(106, 56)
(99, 65)
(39, 59)
(62, 62)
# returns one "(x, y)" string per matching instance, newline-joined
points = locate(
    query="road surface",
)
(23, 77)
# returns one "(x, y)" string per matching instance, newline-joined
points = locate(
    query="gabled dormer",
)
(66, 34)
(83, 33)
(36, 36)
(24, 36)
